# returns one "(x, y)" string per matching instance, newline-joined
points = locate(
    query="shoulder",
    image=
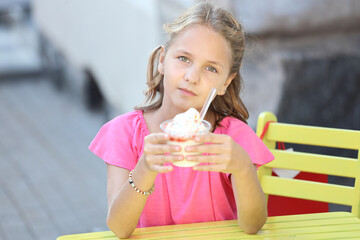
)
(128, 121)
(120, 141)
(128, 126)
(238, 130)
(231, 125)
(130, 117)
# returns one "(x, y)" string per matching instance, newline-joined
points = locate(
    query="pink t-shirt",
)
(183, 195)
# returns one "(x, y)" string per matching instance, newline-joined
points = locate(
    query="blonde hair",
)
(221, 21)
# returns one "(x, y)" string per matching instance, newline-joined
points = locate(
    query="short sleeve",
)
(248, 140)
(118, 141)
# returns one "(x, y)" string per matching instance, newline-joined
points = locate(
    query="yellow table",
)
(331, 225)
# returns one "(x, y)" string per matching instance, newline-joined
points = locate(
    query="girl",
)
(204, 50)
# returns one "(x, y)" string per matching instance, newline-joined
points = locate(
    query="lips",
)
(187, 92)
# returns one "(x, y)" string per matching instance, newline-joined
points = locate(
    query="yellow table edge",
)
(172, 228)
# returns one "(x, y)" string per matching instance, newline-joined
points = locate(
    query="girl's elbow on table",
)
(118, 231)
(250, 228)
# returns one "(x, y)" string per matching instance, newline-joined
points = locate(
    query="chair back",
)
(310, 162)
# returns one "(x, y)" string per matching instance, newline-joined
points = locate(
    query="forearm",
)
(250, 200)
(127, 205)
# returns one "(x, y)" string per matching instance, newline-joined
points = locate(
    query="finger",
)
(161, 159)
(208, 148)
(210, 168)
(161, 148)
(212, 158)
(157, 138)
(212, 138)
(162, 169)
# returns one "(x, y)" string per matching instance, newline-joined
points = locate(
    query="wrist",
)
(146, 165)
(142, 175)
(146, 193)
(246, 168)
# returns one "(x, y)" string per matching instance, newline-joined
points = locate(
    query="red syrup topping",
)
(178, 139)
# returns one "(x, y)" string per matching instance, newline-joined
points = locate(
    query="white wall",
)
(112, 38)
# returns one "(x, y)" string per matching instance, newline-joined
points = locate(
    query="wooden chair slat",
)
(317, 136)
(316, 191)
(316, 163)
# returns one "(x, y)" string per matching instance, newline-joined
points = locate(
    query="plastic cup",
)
(177, 138)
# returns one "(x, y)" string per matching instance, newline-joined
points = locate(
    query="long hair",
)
(221, 21)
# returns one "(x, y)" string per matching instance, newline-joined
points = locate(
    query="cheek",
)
(169, 82)
(216, 81)
(173, 73)
(166, 82)
(168, 71)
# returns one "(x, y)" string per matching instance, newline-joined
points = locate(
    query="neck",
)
(166, 111)
(155, 118)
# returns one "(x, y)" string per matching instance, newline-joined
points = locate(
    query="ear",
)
(226, 84)
(161, 60)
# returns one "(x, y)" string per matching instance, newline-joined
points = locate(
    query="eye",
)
(183, 59)
(211, 69)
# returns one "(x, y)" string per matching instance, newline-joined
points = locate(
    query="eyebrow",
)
(211, 62)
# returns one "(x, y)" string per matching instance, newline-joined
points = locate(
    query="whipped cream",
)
(186, 125)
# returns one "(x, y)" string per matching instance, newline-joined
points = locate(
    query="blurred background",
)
(67, 67)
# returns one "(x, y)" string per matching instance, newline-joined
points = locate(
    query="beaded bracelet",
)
(146, 193)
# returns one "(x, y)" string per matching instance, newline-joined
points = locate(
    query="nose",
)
(192, 75)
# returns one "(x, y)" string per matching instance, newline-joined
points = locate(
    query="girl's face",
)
(198, 59)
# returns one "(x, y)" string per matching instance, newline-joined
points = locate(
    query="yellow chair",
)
(310, 162)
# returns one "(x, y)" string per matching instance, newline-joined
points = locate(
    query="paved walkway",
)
(50, 183)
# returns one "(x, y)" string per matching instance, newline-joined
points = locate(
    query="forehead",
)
(203, 42)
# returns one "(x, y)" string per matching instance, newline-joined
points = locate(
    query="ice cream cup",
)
(179, 139)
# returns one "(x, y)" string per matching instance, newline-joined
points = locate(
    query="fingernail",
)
(177, 148)
(197, 139)
(189, 149)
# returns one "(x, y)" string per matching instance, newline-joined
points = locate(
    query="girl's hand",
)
(225, 155)
(156, 152)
